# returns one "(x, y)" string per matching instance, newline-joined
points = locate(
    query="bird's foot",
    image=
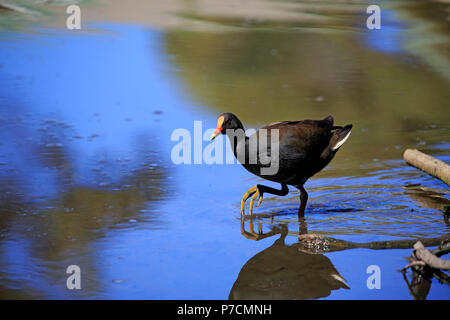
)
(258, 195)
(254, 193)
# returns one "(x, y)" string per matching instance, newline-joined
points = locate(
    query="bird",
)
(297, 149)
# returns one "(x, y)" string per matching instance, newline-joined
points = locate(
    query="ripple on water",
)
(383, 211)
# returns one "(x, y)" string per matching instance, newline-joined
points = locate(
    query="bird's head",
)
(226, 121)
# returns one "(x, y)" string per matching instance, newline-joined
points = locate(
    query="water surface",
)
(86, 176)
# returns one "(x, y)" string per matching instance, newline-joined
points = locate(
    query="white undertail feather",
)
(339, 278)
(341, 142)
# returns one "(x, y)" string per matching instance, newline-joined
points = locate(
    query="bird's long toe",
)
(255, 195)
(247, 195)
(260, 199)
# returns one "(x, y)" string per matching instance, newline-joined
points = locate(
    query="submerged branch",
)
(423, 257)
(316, 243)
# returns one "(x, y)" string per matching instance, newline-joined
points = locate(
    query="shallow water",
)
(86, 176)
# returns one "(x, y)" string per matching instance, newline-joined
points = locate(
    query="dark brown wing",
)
(306, 138)
(300, 146)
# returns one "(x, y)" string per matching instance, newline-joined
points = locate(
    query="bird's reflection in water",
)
(284, 271)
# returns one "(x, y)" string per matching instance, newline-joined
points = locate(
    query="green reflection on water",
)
(268, 77)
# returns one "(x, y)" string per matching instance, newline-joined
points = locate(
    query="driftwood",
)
(444, 248)
(426, 265)
(429, 164)
(423, 257)
(429, 258)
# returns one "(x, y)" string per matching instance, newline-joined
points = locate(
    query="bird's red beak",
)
(219, 127)
(216, 133)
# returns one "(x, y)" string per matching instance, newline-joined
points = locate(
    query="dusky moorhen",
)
(304, 148)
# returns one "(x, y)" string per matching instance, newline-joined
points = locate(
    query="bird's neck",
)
(238, 140)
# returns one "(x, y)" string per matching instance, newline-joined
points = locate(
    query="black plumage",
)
(304, 148)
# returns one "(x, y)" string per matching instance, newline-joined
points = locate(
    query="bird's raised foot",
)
(254, 193)
(257, 195)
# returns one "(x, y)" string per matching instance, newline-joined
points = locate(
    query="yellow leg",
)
(255, 195)
(247, 195)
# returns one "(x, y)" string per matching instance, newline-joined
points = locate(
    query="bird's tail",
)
(340, 136)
